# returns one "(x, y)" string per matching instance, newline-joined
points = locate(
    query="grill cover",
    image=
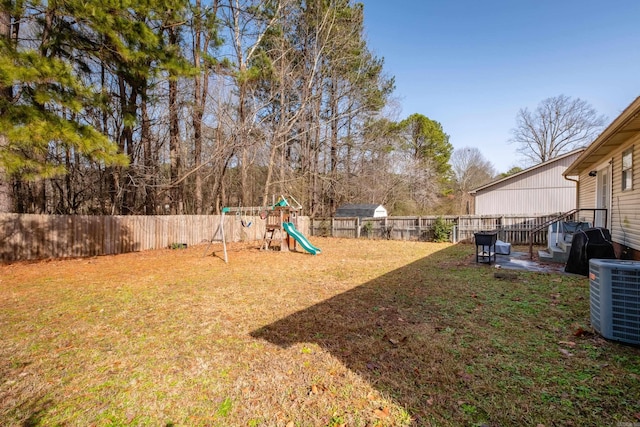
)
(588, 244)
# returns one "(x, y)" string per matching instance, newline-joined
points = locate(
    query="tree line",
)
(185, 106)
(182, 107)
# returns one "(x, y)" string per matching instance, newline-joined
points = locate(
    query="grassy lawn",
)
(369, 333)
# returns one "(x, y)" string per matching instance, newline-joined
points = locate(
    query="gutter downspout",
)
(577, 181)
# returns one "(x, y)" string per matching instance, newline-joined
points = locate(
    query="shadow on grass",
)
(32, 412)
(384, 331)
(455, 345)
(37, 414)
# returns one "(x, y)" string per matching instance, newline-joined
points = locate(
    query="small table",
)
(486, 246)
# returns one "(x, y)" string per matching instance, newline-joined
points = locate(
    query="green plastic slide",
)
(299, 237)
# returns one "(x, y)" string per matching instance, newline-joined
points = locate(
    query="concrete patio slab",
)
(521, 261)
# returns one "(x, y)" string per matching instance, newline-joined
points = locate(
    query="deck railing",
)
(570, 215)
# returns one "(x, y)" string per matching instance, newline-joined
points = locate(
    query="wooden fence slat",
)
(29, 237)
(26, 236)
(514, 229)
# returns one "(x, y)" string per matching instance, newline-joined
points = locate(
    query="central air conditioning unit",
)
(615, 299)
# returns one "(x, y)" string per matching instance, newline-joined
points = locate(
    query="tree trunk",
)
(174, 137)
(333, 165)
(200, 87)
(7, 202)
(149, 157)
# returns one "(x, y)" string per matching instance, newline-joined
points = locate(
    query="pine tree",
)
(40, 100)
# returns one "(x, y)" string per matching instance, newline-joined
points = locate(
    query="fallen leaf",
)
(130, 417)
(465, 377)
(580, 332)
(394, 341)
(430, 401)
(291, 424)
(382, 412)
(566, 352)
(567, 343)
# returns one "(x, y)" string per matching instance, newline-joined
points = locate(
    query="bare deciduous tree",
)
(470, 170)
(557, 126)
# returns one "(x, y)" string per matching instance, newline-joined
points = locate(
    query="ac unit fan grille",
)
(615, 299)
(625, 300)
(594, 297)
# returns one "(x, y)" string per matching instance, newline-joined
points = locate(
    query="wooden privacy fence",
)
(29, 237)
(512, 229)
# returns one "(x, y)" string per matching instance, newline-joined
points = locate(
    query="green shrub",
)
(367, 228)
(441, 230)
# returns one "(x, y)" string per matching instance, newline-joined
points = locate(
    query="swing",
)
(245, 222)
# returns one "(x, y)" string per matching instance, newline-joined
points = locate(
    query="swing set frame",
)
(263, 213)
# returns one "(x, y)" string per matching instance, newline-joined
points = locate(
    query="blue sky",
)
(472, 65)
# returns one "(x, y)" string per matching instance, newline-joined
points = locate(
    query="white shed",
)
(361, 211)
(538, 190)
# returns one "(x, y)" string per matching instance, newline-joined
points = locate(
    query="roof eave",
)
(597, 151)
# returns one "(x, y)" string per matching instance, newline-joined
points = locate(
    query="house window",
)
(627, 169)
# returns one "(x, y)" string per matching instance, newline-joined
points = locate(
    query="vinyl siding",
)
(540, 191)
(587, 196)
(625, 205)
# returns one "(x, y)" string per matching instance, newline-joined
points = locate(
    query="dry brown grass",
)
(369, 333)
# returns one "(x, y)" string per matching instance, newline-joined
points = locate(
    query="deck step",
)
(545, 256)
(553, 254)
(566, 246)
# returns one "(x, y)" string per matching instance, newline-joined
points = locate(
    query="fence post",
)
(332, 227)
(385, 230)
(357, 227)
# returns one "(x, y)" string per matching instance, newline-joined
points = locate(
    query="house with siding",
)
(607, 180)
(538, 190)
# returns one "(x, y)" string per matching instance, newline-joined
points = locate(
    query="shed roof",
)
(360, 210)
(624, 126)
